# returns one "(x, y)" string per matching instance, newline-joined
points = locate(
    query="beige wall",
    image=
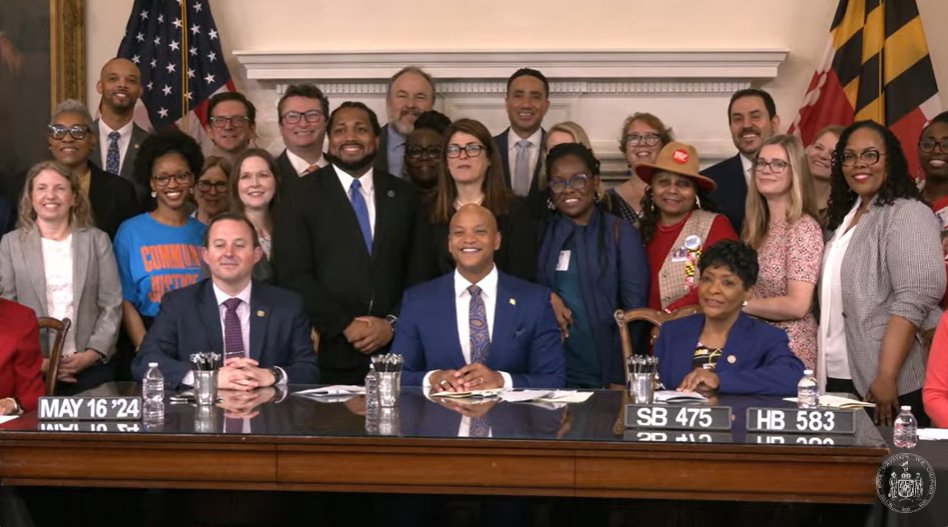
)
(280, 25)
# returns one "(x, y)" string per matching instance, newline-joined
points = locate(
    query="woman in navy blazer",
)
(723, 349)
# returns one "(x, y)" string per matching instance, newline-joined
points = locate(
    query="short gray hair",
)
(417, 71)
(73, 106)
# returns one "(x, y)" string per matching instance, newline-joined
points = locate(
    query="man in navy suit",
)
(477, 328)
(265, 335)
(753, 119)
(521, 144)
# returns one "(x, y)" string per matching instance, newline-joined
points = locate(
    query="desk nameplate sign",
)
(91, 426)
(672, 417)
(90, 408)
(676, 436)
(801, 421)
(801, 440)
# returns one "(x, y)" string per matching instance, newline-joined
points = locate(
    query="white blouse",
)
(833, 356)
(57, 267)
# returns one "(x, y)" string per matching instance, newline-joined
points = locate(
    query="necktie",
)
(112, 156)
(521, 182)
(233, 339)
(309, 170)
(480, 335)
(480, 427)
(361, 212)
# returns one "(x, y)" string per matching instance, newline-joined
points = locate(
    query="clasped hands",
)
(243, 374)
(70, 365)
(245, 404)
(474, 376)
(368, 334)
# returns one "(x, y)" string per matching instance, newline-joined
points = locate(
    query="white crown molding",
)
(736, 64)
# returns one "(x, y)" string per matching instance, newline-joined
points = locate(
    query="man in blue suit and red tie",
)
(477, 328)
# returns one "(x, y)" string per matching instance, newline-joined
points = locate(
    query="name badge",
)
(563, 263)
(90, 408)
(801, 421)
(670, 417)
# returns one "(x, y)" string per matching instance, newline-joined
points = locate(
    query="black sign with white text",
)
(671, 417)
(801, 421)
(676, 436)
(90, 426)
(90, 408)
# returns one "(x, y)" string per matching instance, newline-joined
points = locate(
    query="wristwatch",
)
(392, 321)
(277, 375)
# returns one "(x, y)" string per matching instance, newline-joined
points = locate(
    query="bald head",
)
(120, 86)
(472, 241)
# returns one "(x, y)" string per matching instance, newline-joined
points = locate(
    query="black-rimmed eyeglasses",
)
(237, 121)
(431, 152)
(293, 117)
(577, 182)
(77, 131)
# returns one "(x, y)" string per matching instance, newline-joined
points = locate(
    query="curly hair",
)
(165, 142)
(737, 257)
(897, 183)
(648, 221)
(80, 215)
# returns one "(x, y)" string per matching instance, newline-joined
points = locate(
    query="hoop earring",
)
(549, 204)
(154, 194)
(698, 201)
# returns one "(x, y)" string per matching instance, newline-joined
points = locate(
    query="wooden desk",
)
(300, 444)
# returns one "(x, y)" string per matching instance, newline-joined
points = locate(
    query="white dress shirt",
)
(748, 166)
(299, 164)
(832, 355)
(368, 191)
(512, 139)
(462, 303)
(58, 270)
(125, 138)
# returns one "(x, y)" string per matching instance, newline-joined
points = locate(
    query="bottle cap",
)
(152, 364)
(907, 408)
(807, 372)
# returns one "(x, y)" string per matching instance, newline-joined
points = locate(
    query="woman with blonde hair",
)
(781, 224)
(559, 133)
(61, 266)
(643, 137)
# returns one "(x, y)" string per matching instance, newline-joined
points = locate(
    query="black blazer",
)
(731, 193)
(288, 174)
(128, 164)
(112, 198)
(318, 252)
(7, 220)
(536, 198)
(381, 155)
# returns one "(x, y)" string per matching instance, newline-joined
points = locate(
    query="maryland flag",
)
(876, 67)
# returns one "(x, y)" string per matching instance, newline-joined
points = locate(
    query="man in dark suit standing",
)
(477, 328)
(753, 119)
(521, 144)
(342, 240)
(261, 329)
(411, 92)
(302, 112)
(118, 137)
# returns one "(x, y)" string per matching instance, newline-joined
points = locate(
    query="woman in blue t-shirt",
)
(160, 251)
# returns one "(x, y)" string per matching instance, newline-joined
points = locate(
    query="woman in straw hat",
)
(678, 221)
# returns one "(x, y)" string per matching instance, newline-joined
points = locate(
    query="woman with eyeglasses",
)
(781, 225)
(211, 189)
(643, 136)
(71, 140)
(160, 251)
(254, 187)
(594, 263)
(61, 266)
(471, 172)
(678, 221)
(883, 275)
(423, 149)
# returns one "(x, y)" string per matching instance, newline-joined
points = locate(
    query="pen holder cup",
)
(389, 388)
(205, 387)
(642, 388)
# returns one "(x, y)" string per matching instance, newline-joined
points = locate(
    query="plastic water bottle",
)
(153, 394)
(371, 390)
(808, 391)
(905, 431)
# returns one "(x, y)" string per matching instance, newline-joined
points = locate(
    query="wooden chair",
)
(654, 317)
(60, 328)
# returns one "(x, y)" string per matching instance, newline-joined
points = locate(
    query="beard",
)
(352, 166)
(401, 126)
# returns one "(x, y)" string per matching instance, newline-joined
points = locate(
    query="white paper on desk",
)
(5, 418)
(566, 396)
(518, 396)
(477, 394)
(546, 396)
(674, 396)
(835, 401)
(933, 434)
(332, 390)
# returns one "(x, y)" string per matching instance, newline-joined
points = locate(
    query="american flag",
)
(176, 46)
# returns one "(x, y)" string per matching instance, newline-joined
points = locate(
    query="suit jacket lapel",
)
(210, 315)
(338, 194)
(505, 316)
(96, 152)
(33, 260)
(259, 318)
(451, 320)
(80, 263)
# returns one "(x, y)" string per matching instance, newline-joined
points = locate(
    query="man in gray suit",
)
(411, 92)
(118, 137)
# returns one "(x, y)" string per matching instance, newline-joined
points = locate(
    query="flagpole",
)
(185, 110)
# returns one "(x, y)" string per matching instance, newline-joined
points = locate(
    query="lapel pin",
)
(513, 301)
(260, 313)
(731, 359)
(391, 193)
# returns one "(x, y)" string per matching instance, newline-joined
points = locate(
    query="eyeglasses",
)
(237, 121)
(293, 117)
(77, 131)
(647, 139)
(776, 166)
(206, 186)
(431, 152)
(869, 157)
(928, 145)
(577, 182)
(472, 150)
(162, 180)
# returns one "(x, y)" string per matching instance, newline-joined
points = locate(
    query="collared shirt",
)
(125, 138)
(395, 150)
(368, 190)
(748, 166)
(300, 165)
(535, 146)
(833, 353)
(462, 304)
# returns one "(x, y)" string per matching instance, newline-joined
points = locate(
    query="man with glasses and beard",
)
(411, 92)
(341, 241)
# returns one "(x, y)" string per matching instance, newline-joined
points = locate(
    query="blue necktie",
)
(521, 180)
(480, 335)
(361, 212)
(112, 156)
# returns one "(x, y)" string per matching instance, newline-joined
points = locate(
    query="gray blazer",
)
(97, 291)
(894, 266)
